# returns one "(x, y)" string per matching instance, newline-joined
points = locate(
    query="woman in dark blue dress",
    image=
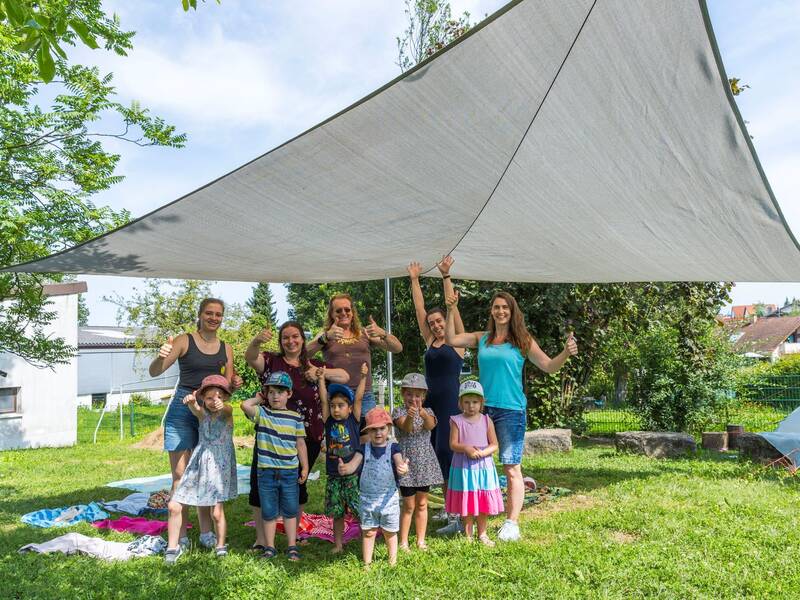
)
(442, 370)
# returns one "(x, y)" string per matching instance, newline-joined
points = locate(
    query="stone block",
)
(756, 448)
(655, 444)
(540, 441)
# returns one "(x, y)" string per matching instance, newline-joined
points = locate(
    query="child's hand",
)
(215, 405)
(474, 453)
(189, 399)
(261, 398)
(412, 411)
(303, 475)
(402, 468)
(364, 369)
(343, 468)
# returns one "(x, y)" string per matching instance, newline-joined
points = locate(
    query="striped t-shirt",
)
(276, 438)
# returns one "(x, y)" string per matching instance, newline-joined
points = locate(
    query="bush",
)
(554, 401)
(676, 387)
(139, 399)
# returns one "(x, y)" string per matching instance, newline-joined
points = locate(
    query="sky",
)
(242, 77)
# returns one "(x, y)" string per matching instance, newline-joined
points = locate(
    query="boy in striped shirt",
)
(281, 449)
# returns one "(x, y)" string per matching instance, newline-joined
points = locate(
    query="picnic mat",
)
(320, 527)
(159, 482)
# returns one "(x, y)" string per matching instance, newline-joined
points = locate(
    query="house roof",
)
(107, 337)
(766, 334)
(64, 289)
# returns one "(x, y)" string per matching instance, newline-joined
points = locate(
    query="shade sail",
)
(559, 141)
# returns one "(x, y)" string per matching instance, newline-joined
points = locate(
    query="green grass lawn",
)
(634, 527)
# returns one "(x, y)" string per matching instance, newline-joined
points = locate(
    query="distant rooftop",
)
(106, 337)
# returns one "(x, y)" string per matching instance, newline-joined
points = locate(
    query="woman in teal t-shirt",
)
(502, 351)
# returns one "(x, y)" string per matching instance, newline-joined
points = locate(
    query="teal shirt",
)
(500, 370)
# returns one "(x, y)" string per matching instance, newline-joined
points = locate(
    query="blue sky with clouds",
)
(244, 76)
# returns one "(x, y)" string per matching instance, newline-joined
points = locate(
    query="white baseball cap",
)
(470, 386)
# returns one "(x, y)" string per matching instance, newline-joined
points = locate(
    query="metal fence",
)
(760, 406)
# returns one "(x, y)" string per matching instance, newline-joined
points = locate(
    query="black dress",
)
(442, 374)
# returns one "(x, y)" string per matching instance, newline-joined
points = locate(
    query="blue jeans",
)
(180, 425)
(510, 428)
(279, 493)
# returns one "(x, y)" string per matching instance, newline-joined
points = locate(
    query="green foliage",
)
(431, 27)
(83, 311)
(139, 399)
(673, 390)
(262, 305)
(51, 162)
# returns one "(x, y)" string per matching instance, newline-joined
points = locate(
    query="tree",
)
(83, 311)
(52, 160)
(262, 306)
(430, 28)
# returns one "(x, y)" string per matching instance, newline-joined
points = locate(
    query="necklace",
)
(204, 339)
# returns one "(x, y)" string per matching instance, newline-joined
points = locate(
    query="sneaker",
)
(172, 555)
(208, 539)
(454, 526)
(221, 551)
(185, 544)
(509, 532)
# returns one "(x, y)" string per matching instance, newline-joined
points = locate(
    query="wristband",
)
(323, 340)
(446, 276)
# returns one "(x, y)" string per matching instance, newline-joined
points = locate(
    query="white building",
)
(110, 369)
(38, 405)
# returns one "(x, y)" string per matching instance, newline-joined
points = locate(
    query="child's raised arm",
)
(250, 406)
(191, 403)
(428, 418)
(400, 463)
(362, 386)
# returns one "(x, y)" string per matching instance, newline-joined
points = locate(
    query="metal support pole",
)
(387, 292)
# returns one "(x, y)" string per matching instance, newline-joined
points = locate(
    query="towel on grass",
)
(160, 482)
(65, 516)
(138, 525)
(137, 504)
(76, 543)
(320, 527)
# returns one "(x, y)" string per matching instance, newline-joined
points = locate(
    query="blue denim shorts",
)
(180, 425)
(510, 428)
(279, 493)
(386, 517)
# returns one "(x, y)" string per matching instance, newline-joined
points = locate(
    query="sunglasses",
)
(343, 310)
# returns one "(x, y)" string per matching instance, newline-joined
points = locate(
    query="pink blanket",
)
(133, 525)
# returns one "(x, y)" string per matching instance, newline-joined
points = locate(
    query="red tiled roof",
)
(766, 334)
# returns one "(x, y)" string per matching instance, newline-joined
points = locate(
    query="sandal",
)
(221, 551)
(484, 539)
(293, 552)
(269, 552)
(258, 548)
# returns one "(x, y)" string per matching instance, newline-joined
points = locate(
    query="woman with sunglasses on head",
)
(503, 348)
(292, 358)
(442, 373)
(199, 354)
(347, 344)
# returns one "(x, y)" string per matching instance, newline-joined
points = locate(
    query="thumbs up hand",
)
(373, 330)
(263, 337)
(342, 468)
(166, 348)
(571, 346)
(402, 468)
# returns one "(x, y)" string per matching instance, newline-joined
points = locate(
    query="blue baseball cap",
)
(279, 379)
(339, 388)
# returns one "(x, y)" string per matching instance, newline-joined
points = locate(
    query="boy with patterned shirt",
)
(341, 411)
(282, 459)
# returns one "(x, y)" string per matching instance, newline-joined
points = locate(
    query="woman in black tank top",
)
(199, 354)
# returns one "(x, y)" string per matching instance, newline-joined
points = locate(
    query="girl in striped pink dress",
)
(473, 489)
